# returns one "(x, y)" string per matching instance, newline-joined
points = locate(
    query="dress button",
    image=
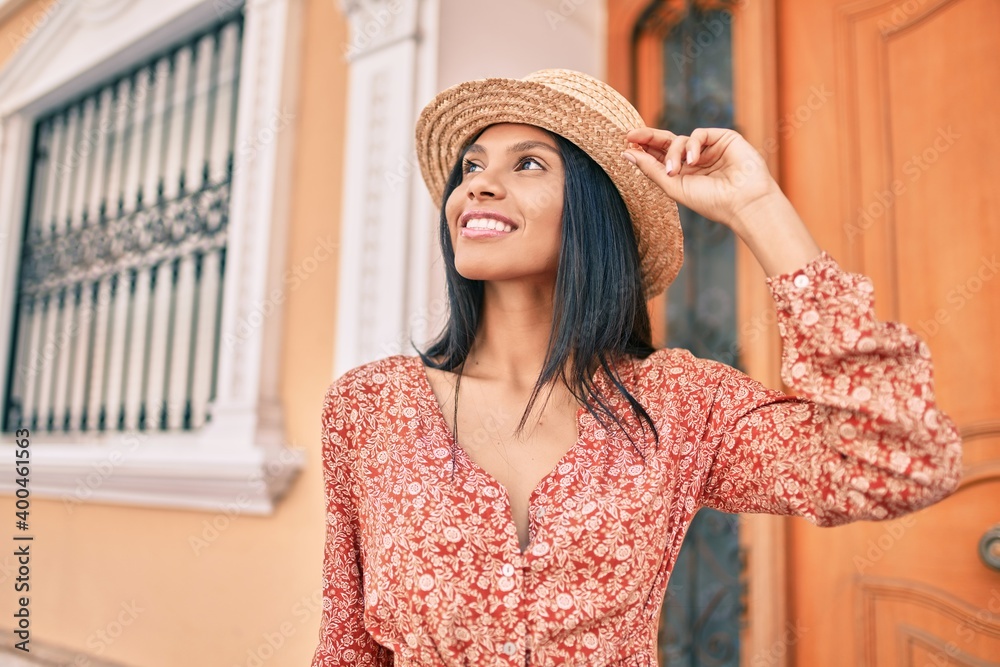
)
(510, 648)
(507, 570)
(801, 281)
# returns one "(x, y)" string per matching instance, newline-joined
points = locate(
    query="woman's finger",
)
(674, 159)
(654, 170)
(655, 152)
(651, 137)
(713, 143)
(695, 146)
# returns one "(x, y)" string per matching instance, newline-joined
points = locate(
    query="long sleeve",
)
(863, 439)
(343, 639)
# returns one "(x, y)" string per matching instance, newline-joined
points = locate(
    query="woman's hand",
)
(719, 175)
(714, 172)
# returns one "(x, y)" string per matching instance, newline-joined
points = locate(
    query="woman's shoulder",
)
(375, 379)
(671, 360)
(381, 370)
(678, 366)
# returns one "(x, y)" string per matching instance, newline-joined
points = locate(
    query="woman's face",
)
(505, 217)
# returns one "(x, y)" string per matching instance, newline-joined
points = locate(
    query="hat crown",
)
(591, 92)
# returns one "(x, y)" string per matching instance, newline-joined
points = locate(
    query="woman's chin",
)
(506, 275)
(475, 273)
(476, 270)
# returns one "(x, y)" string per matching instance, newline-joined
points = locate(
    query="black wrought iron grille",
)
(702, 613)
(120, 284)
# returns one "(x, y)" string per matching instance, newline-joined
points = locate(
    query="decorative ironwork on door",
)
(702, 612)
(122, 264)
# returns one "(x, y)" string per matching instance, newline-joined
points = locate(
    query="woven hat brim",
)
(450, 121)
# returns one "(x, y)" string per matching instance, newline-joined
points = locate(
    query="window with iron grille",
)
(119, 293)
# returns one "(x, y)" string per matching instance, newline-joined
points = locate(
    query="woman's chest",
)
(427, 505)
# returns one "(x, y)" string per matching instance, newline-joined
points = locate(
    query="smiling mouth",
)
(484, 223)
(488, 224)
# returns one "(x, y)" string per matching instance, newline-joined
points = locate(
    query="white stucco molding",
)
(385, 239)
(239, 459)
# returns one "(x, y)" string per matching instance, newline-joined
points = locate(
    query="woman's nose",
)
(481, 193)
(486, 186)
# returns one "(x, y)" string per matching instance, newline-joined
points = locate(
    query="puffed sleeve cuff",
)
(838, 353)
(826, 318)
(818, 286)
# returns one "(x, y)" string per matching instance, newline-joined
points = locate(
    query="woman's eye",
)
(469, 165)
(531, 161)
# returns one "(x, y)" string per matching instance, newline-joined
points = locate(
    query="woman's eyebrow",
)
(530, 145)
(519, 147)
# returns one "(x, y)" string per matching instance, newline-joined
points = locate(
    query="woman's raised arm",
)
(719, 175)
(864, 439)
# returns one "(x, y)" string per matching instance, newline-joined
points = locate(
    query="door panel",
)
(906, 624)
(909, 155)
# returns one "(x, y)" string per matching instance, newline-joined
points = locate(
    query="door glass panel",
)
(700, 623)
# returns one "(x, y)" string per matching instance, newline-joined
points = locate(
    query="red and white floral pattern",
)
(423, 567)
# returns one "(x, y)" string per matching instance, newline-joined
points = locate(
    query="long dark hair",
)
(600, 312)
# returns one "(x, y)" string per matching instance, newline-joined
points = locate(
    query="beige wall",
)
(95, 566)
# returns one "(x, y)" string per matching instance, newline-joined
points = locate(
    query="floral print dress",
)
(422, 561)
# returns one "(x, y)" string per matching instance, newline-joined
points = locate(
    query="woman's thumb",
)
(654, 170)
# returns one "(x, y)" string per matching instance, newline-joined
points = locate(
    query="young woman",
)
(517, 494)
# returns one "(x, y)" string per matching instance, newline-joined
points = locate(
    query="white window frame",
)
(238, 461)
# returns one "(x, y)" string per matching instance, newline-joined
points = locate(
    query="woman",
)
(518, 493)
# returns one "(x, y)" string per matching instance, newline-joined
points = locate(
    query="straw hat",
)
(584, 110)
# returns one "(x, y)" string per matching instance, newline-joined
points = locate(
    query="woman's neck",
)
(514, 330)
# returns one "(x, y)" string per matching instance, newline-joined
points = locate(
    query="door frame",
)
(763, 538)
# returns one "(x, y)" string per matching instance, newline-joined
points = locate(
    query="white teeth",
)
(488, 223)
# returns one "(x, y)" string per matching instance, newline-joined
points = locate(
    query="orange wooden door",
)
(881, 119)
(889, 118)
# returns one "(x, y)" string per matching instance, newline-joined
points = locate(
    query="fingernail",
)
(670, 167)
(629, 157)
(690, 157)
